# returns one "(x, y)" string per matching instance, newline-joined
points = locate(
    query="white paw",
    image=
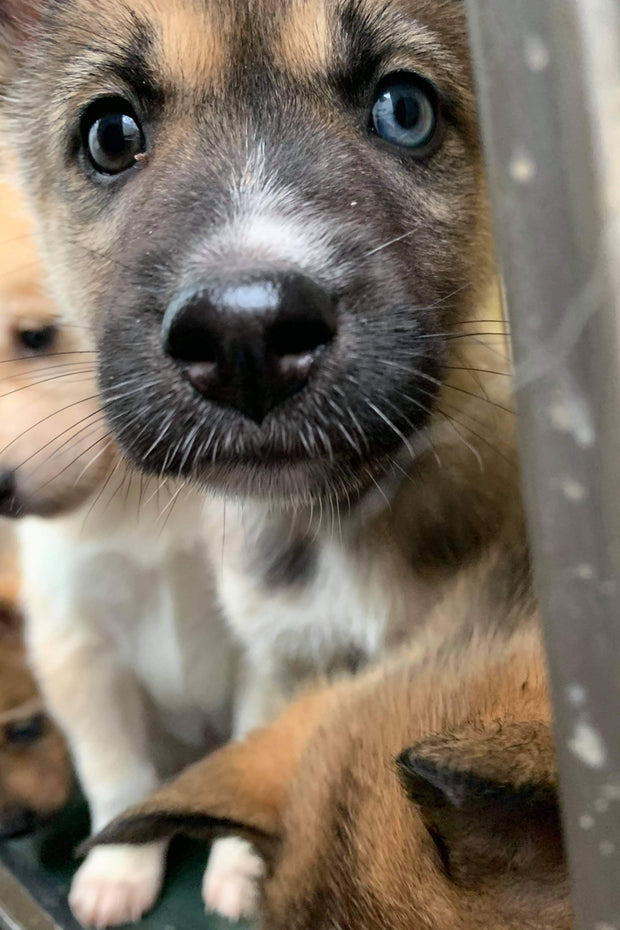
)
(231, 883)
(117, 884)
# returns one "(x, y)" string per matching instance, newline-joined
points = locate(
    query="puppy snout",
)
(250, 343)
(9, 503)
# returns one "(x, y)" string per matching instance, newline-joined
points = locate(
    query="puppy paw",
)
(231, 883)
(117, 884)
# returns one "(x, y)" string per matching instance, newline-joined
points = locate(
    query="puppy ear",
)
(488, 796)
(238, 790)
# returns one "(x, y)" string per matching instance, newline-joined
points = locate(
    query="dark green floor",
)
(45, 862)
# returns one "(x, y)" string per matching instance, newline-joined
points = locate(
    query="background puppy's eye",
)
(112, 136)
(405, 111)
(25, 732)
(37, 340)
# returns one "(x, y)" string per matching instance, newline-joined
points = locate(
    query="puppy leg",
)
(98, 704)
(231, 882)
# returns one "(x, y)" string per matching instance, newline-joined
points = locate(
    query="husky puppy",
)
(422, 793)
(124, 635)
(271, 215)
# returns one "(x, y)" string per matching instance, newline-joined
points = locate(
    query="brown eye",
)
(112, 136)
(25, 732)
(37, 341)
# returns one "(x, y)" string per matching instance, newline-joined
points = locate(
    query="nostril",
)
(298, 337)
(190, 341)
(189, 330)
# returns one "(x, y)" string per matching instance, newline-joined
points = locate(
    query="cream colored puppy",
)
(124, 636)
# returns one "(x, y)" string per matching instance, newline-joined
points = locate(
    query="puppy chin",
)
(284, 486)
(283, 476)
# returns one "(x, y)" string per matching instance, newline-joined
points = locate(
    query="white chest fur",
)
(141, 586)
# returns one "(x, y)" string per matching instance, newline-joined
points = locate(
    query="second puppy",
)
(132, 656)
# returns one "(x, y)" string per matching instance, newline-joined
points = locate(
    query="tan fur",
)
(305, 41)
(51, 434)
(320, 795)
(309, 40)
(192, 40)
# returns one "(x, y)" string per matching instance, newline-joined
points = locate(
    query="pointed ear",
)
(488, 796)
(238, 790)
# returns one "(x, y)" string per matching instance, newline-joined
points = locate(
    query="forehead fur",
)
(316, 35)
(189, 41)
(195, 42)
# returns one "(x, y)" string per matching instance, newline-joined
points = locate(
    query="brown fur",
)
(304, 45)
(190, 39)
(463, 832)
(35, 776)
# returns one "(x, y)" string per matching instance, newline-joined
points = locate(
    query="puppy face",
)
(271, 214)
(409, 799)
(35, 770)
(52, 438)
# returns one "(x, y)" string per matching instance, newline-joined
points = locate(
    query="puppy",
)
(123, 631)
(35, 769)
(421, 794)
(272, 216)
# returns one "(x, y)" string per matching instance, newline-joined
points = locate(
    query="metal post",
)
(548, 74)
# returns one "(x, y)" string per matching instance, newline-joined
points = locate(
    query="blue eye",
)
(405, 112)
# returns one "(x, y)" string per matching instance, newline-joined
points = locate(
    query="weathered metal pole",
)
(548, 75)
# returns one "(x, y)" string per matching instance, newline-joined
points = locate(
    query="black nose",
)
(16, 821)
(250, 343)
(9, 505)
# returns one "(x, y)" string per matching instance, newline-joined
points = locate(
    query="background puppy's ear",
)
(488, 797)
(238, 790)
